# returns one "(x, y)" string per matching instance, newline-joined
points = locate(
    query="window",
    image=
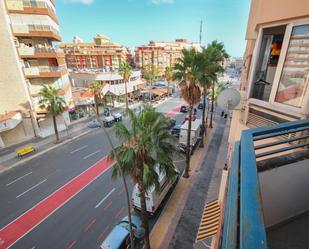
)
(295, 73)
(267, 62)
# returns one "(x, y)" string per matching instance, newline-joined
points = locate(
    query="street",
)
(66, 198)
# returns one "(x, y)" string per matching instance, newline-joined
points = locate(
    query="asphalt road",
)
(84, 220)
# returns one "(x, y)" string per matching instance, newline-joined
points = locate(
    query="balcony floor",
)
(294, 234)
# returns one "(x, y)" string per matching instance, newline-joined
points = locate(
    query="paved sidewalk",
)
(178, 225)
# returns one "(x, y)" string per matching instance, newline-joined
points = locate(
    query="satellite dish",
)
(228, 99)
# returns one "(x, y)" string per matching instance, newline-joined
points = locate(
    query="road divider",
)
(33, 187)
(110, 192)
(17, 179)
(26, 222)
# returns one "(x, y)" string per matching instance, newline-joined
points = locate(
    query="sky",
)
(136, 22)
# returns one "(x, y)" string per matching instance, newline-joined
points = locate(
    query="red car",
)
(193, 117)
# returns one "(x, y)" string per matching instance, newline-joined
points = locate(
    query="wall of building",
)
(267, 11)
(284, 192)
(20, 133)
(12, 88)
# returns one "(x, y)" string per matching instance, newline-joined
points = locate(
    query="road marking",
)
(26, 222)
(108, 206)
(119, 212)
(121, 191)
(89, 225)
(18, 179)
(91, 154)
(30, 188)
(110, 192)
(102, 233)
(78, 149)
(72, 244)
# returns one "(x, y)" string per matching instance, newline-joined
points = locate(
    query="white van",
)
(195, 135)
(153, 198)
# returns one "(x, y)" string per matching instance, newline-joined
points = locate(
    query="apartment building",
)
(101, 53)
(162, 54)
(264, 189)
(28, 61)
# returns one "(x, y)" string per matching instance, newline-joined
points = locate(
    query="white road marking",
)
(91, 154)
(78, 149)
(18, 179)
(105, 198)
(31, 188)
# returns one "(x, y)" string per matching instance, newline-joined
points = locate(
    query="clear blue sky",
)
(136, 22)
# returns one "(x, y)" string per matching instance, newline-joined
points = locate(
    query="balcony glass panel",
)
(294, 78)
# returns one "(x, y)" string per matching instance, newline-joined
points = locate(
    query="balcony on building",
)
(266, 200)
(36, 30)
(45, 71)
(40, 51)
(32, 7)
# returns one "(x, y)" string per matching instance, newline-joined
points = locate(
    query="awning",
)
(9, 120)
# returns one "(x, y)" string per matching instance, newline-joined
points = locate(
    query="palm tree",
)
(96, 88)
(147, 145)
(125, 71)
(206, 78)
(169, 77)
(53, 103)
(217, 56)
(187, 72)
(150, 73)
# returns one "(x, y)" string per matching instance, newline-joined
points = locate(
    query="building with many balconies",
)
(28, 61)
(162, 54)
(101, 53)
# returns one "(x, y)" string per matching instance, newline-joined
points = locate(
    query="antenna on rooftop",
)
(201, 30)
(229, 99)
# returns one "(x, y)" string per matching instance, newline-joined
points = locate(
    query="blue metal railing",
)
(243, 225)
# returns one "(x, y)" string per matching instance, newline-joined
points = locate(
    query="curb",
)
(43, 152)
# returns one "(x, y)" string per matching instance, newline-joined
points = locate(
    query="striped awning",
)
(210, 221)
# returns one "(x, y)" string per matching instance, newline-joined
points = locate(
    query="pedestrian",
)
(195, 111)
(222, 114)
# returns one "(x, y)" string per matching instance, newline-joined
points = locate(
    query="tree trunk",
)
(203, 117)
(126, 190)
(168, 88)
(188, 149)
(55, 128)
(150, 91)
(144, 215)
(212, 104)
(129, 209)
(126, 93)
(96, 106)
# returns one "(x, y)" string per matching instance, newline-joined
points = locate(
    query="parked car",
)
(119, 237)
(200, 106)
(94, 124)
(176, 130)
(154, 198)
(108, 121)
(194, 138)
(184, 108)
(172, 123)
(193, 118)
(117, 117)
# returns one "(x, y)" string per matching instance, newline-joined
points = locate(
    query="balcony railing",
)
(47, 69)
(38, 4)
(39, 28)
(243, 226)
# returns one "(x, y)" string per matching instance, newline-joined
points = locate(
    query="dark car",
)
(119, 237)
(200, 106)
(108, 121)
(106, 112)
(176, 130)
(172, 123)
(184, 108)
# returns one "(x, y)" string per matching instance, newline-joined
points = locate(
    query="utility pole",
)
(201, 30)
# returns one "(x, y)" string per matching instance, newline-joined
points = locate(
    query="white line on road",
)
(105, 198)
(31, 188)
(78, 149)
(18, 179)
(91, 154)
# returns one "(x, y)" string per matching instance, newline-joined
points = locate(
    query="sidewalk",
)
(178, 225)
